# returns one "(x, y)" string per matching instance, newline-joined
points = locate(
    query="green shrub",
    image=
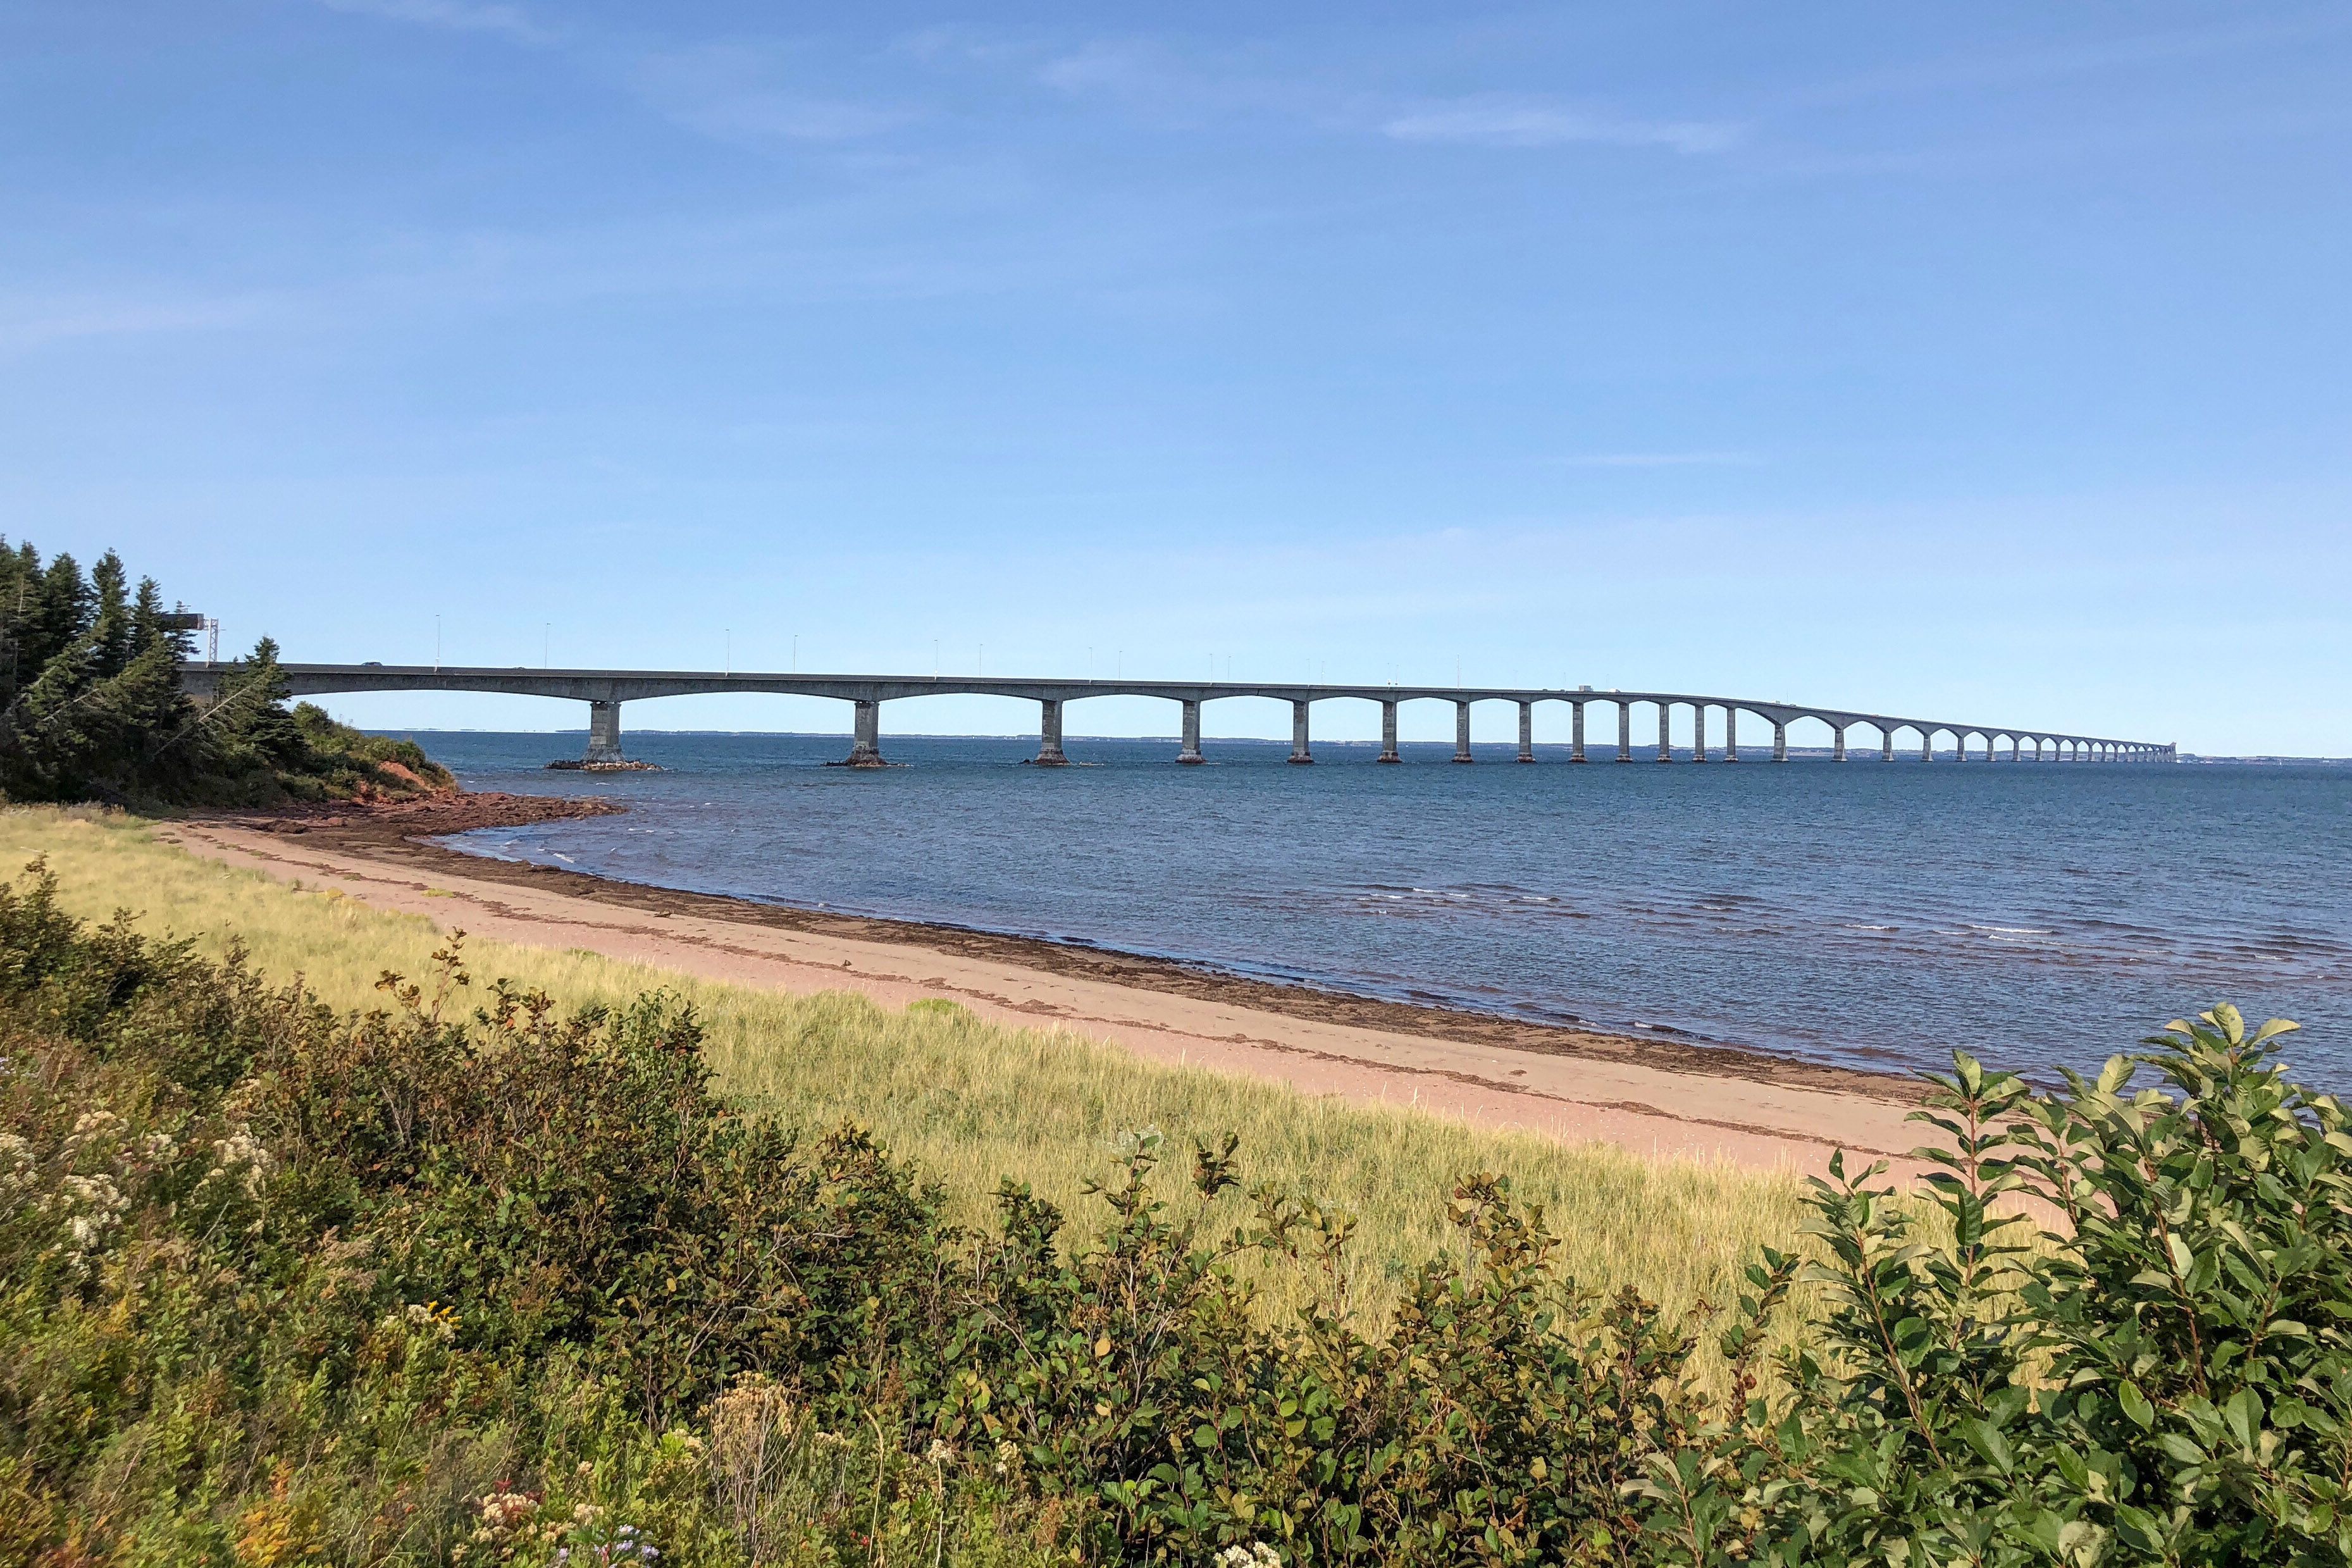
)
(442, 1283)
(2163, 1379)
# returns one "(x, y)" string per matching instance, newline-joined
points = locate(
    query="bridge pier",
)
(1698, 732)
(1388, 732)
(1625, 732)
(1526, 732)
(1837, 742)
(1886, 745)
(603, 733)
(1927, 746)
(1730, 733)
(1049, 734)
(1299, 752)
(1191, 756)
(1665, 722)
(1576, 741)
(1780, 740)
(1462, 732)
(865, 740)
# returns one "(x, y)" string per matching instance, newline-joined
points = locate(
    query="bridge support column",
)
(1049, 734)
(1388, 732)
(1698, 732)
(865, 740)
(1780, 740)
(1191, 755)
(1299, 752)
(1730, 733)
(1462, 732)
(1837, 742)
(1576, 734)
(1625, 732)
(1665, 722)
(1886, 745)
(1526, 732)
(603, 733)
(1927, 746)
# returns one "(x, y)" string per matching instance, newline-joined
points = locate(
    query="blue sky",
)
(1984, 360)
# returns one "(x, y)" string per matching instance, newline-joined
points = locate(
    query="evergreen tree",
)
(112, 619)
(91, 709)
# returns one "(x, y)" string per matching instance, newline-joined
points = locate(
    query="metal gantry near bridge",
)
(606, 690)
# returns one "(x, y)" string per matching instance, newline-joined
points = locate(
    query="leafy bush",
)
(451, 1284)
(2164, 1378)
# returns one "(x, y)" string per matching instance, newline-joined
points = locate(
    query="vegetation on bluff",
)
(445, 1282)
(91, 709)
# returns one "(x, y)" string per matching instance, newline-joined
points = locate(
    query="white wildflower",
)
(242, 1155)
(17, 1171)
(95, 1206)
(1257, 1554)
(91, 1125)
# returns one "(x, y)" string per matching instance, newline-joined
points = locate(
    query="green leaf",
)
(2135, 1406)
(1987, 1440)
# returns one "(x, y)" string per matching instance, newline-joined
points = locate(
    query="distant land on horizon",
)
(1820, 752)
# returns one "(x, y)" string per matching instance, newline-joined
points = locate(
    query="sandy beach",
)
(1655, 1097)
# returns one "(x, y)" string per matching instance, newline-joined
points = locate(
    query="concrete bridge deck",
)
(606, 690)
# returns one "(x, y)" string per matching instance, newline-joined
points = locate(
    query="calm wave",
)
(1865, 915)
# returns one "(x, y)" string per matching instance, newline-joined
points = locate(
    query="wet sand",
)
(1658, 1097)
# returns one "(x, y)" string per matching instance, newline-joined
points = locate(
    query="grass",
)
(971, 1102)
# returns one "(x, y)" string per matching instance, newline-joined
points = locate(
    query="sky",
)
(1986, 361)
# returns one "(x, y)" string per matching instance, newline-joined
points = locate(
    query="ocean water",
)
(1863, 915)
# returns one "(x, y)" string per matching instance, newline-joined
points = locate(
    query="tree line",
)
(91, 707)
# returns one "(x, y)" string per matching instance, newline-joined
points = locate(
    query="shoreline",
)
(1655, 1095)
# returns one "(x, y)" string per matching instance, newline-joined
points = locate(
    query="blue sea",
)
(1863, 915)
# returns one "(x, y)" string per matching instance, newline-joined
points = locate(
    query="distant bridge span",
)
(606, 690)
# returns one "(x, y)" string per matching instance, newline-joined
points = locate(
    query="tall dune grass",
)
(971, 1102)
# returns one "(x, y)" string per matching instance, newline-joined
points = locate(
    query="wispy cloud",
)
(32, 321)
(456, 16)
(1488, 121)
(746, 93)
(1158, 83)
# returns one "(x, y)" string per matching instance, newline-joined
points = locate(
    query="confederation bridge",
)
(606, 690)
